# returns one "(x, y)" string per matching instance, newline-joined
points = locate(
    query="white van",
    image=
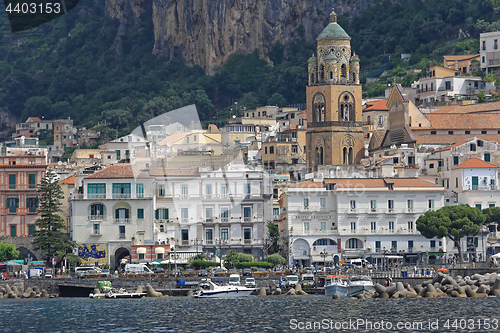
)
(361, 263)
(292, 280)
(137, 269)
(234, 279)
(308, 280)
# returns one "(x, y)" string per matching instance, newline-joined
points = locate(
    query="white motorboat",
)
(118, 294)
(213, 290)
(356, 285)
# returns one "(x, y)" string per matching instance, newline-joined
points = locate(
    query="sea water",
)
(250, 314)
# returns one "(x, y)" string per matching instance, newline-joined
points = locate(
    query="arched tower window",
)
(331, 75)
(347, 150)
(318, 108)
(343, 71)
(321, 73)
(347, 110)
(319, 156)
(312, 78)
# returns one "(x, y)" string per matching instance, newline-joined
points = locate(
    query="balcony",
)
(247, 219)
(391, 211)
(208, 196)
(98, 233)
(122, 220)
(92, 196)
(224, 219)
(224, 196)
(481, 188)
(96, 217)
(121, 196)
(185, 242)
(209, 220)
(121, 235)
(247, 241)
(209, 242)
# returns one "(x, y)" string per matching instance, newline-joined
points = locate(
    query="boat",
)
(356, 285)
(218, 289)
(105, 291)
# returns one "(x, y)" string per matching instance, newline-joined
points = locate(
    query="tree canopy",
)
(453, 222)
(492, 215)
(50, 237)
(8, 252)
(276, 259)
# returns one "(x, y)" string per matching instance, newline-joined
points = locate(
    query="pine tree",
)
(49, 237)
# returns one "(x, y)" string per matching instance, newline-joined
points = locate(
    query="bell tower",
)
(334, 120)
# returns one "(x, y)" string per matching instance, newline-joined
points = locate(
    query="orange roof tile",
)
(70, 180)
(460, 57)
(173, 138)
(116, 171)
(378, 105)
(35, 119)
(380, 182)
(307, 184)
(475, 163)
(455, 145)
(474, 121)
(472, 108)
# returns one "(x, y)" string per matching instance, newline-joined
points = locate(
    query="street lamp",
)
(220, 243)
(324, 255)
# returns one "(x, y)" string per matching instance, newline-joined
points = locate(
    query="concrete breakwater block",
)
(335, 296)
(277, 291)
(262, 292)
(150, 292)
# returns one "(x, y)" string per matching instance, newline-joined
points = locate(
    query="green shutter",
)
(126, 214)
(157, 213)
(117, 215)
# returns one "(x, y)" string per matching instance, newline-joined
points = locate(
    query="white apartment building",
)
(489, 51)
(368, 218)
(113, 212)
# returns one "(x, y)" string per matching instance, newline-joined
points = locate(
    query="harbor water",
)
(250, 314)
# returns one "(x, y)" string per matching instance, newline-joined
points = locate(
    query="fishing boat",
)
(221, 290)
(105, 291)
(343, 287)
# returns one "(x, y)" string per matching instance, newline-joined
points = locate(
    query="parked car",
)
(250, 282)
(105, 272)
(189, 272)
(232, 271)
(291, 281)
(176, 273)
(158, 270)
(247, 271)
(202, 272)
(261, 271)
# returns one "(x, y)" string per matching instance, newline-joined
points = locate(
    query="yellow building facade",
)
(334, 101)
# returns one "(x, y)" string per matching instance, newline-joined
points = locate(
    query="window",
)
(448, 85)
(432, 243)
(456, 182)
(495, 44)
(306, 226)
(431, 166)
(247, 214)
(472, 147)
(140, 213)
(410, 226)
(161, 214)
(209, 234)
(12, 205)
(247, 189)
(353, 226)
(209, 212)
(390, 205)
(12, 182)
(276, 212)
(118, 154)
(208, 191)
(247, 234)
(484, 46)
(224, 214)
(410, 204)
(224, 233)
(295, 149)
(96, 229)
(139, 190)
(322, 226)
(373, 226)
(184, 192)
(381, 120)
(121, 191)
(455, 160)
(322, 202)
(373, 205)
(480, 143)
(410, 244)
(265, 150)
(487, 157)
(431, 204)
(31, 230)
(353, 243)
(394, 246)
(185, 235)
(271, 150)
(161, 190)
(121, 231)
(13, 231)
(352, 204)
(31, 204)
(306, 202)
(96, 211)
(184, 214)
(479, 206)
(377, 245)
(433, 132)
(467, 132)
(450, 132)
(224, 191)
(391, 226)
(32, 180)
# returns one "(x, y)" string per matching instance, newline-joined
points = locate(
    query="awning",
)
(141, 250)
(159, 250)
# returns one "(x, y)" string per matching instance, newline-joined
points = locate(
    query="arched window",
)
(331, 75)
(343, 71)
(347, 150)
(321, 73)
(319, 156)
(318, 108)
(347, 110)
(312, 78)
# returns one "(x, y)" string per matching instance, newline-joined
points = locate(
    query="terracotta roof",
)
(378, 105)
(380, 182)
(308, 184)
(472, 108)
(35, 119)
(70, 180)
(455, 145)
(472, 121)
(174, 138)
(451, 139)
(389, 138)
(475, 163)
(175, 172)
(116, 171)
(460, 57)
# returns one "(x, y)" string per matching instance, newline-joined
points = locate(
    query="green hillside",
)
(69, 68)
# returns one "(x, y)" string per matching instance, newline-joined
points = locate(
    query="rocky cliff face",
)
(208, 32)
